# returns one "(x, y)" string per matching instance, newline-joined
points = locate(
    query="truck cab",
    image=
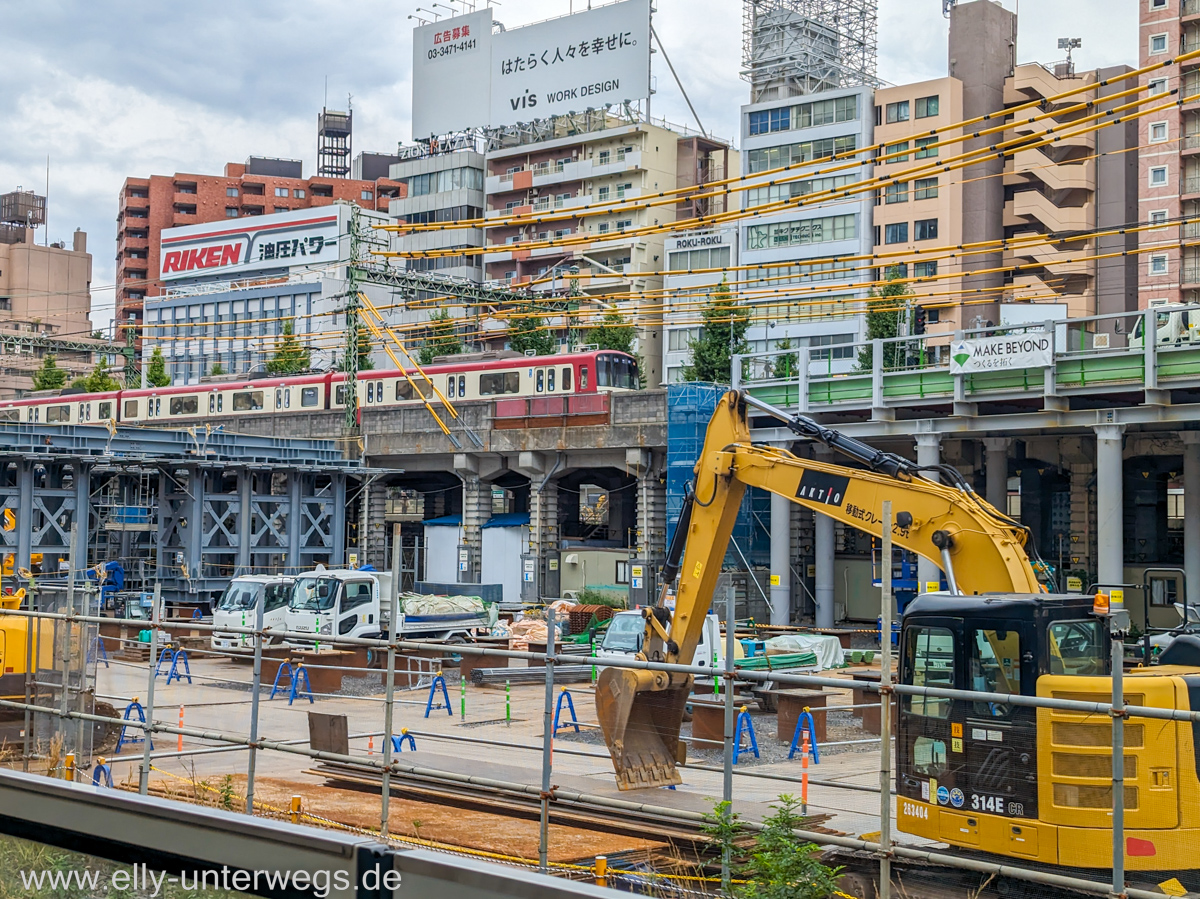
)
(627, 630)
(238, 607)
(336, 602)
(1177, 325)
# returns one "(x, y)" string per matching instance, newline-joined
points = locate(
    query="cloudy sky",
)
(113, 88)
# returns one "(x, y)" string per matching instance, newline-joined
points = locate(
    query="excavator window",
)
(1077, 647)
(929, 662)
(995, 668)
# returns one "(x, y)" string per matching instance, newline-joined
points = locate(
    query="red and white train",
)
(599, 371)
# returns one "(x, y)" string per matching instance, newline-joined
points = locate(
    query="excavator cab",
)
(958, 759)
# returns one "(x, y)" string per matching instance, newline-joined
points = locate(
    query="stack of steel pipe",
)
(563, 674)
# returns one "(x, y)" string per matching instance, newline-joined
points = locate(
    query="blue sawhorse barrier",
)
(133, 708)
(744, 723)
(176, 657)
(102, 770)
(294, 677)
(429, 706)
(565, 694)
(163, 654)
(398, 742)
(196, 613)
(803, 723)
(97, 652)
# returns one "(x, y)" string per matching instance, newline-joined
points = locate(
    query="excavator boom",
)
(640, 711)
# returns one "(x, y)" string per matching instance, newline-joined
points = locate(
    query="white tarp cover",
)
(828, 650)
(421, 604)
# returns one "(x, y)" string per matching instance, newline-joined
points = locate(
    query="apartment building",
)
(1169, 156)
(585, 160)
(686, 286)
(804, 292)
(44, 291)
(259, 186)
(440, 188)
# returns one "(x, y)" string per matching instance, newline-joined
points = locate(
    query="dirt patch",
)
(437, 823)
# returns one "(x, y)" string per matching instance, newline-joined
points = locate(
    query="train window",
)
(404, 389)
(10, 414)
(541, 379)
(462, 386)
(185, 405)
(1077, 647)
(247, 401)
(131, 409)
(494, 383)
(583, 377)
(287, 398)
(212, 402)
(37, 414)
(450, 386)
(309, 397)
(278, 398)
(929, 662)
(58, 413)
(550, 379)
(995, 668)
(220, 402)
(158, 406)
(82, 410)
(339, 395)
(566, 378)
(105, 410)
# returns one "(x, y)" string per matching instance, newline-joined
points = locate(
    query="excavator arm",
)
(640, 712)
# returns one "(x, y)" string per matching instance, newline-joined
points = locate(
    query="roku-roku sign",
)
(212, 256)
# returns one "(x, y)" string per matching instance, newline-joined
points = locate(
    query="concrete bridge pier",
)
(1191, 518)
(996, 470)
(1110, 504)
(929, 452)
(781, 562)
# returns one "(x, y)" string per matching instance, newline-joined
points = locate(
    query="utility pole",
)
(132, 379)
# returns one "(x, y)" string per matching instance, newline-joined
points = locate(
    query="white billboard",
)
(563, 65)
(235, 248)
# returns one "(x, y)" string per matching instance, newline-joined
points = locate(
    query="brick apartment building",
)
(258, 186)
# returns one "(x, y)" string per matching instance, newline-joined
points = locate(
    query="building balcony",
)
(1189, 232)
(1189, 276)
(128, 242)
(1189, 188)
(1189, 9)
(1189, 43)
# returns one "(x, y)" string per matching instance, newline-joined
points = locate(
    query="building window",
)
(231, 191)
(1158, 132)
(230, 212)
(1158, 86)
(281, 191)
(281, 209)
(368, 195)
(896, 233)
(1158, 4)
(925, 229)
(1158, 217)
(801, 232)
(1158, 43)
(925, 188)
(924, 269)
(602, 193)
(901, 147)
(1158, 176)
(767, 120)
(897, 112)
(926, 147)
(622, 573)
(1158, 264)
(775, 157)
(926, 107)
(298, 193)
(897, 193)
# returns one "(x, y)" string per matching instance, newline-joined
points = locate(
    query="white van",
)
(628, 629)
(238, 607)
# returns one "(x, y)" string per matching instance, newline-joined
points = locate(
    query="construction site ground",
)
(219, 699)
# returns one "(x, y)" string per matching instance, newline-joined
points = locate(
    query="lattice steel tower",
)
(796, 47)
(334, 132)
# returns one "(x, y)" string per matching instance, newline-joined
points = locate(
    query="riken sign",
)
(465, 76)
(303, 238)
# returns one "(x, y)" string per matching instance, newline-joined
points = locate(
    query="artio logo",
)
(212, 256)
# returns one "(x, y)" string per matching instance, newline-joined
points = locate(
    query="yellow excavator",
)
(1002, 780)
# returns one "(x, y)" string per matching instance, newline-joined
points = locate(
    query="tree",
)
(49, 376)
(527, 330)
(365, 362)
(217, 369)
(99, 381)
(613, 333)
(784, 367)
(156, 372)
(886, 308)
(290, 357)
(443, 338)
(722, 336)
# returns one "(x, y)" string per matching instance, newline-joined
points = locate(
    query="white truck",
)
(1177, 325)
(627, 630)
(347, 603)
(238, 607)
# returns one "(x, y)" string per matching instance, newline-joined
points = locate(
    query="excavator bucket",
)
(641, 720)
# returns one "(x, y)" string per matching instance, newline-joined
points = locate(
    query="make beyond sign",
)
(464, 76)
(238, 248)
(1000, 353)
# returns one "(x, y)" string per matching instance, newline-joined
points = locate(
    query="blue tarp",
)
(446, 521)
(508, 520)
